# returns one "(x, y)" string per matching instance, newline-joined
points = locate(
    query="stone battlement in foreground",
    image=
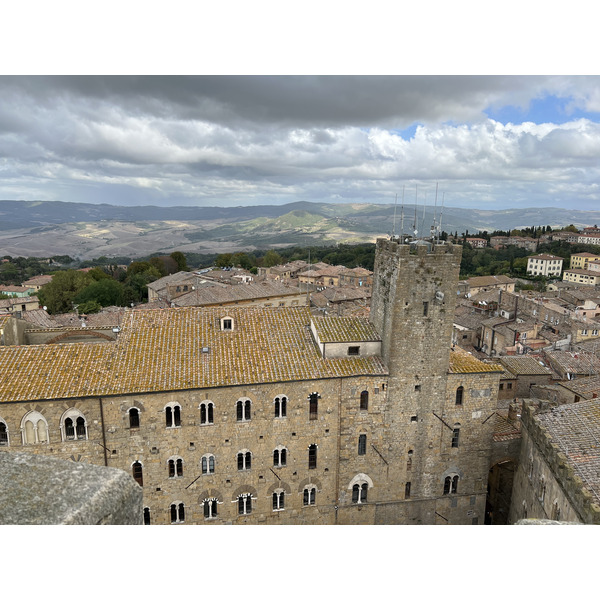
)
(40, 490)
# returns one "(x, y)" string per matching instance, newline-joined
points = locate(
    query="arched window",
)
(359, 493)
(175, 465)
(451, 484)
(310, 495)
(278, 499)
(208, 464)
(364, 400)
(244, 460)
(312, 456)
(280, 406)
(280, 456)
(407, 490)
(134, 418)
(3, 433)
(173, 415)
(207, 410)
(147, 516)
(34, 428)
(137, 472)
(73, 425)
(243, 409)
(542, 489)
(209, 506)
(362, 444)
(177, 512)
(313, 406)
(459, 395)
(455, 435)
(244, 504)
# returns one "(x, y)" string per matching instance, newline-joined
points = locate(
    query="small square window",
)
(227, 324)
(417, 388)
(414, 419)
(509, 386)
(353, 350)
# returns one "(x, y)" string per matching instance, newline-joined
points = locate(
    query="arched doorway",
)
(499, 492)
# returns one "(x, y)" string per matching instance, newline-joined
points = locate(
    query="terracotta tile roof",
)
(489, 280)
(345, 329)
(159, 350)
(38, 317)
(504, 429)
(584, 363)
(575, 429)
(524, 365)
(213, 294)
(463, 362)
(584, 386)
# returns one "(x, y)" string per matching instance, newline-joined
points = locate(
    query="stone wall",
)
(542, 462)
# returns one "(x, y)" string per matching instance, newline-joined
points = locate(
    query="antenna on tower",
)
(442, 211)
(423, 220)
(394, 225)
(415, 230)
(433, 228)
(402, 219)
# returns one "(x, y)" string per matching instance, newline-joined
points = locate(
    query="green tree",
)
(271, 258)
(106, 292)
(58, 295)
(224, 260)
(90, 307)
(179, 258)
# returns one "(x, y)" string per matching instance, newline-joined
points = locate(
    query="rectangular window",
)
(455, 435)
(501, 386)
(353, 350)
(509, 386)
(313, 409)
(425, 308)
(362, 444)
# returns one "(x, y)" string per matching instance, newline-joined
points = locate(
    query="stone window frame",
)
(243, 410)
(207, 412)
(133, 424)
(280, 455)
(177, 510)
(172, 415)
(210, 508)
(138, 475)
(455, 442)
(359, 491)
(362, 444)
(309, 495)
(206, 463)
(451, 484)
(244, 502)
(175, 466)
(74, 414)
(4, 435)
(313, 450)
(278, 500)
(280, 406)
(460, 394)
(244, 458)
(364, 400)
(146, 515)
(34, 417)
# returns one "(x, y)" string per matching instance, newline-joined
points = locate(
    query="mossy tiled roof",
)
(345, 329)
(463, 362)
(159, 350)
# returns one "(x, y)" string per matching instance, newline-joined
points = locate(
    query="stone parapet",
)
(580, 498)
(40, 490)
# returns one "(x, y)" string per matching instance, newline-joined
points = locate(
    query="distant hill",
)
(91, 230)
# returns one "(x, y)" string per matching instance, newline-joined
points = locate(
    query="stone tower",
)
(414, 295)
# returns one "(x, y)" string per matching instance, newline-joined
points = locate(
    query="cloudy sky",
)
(487, 141)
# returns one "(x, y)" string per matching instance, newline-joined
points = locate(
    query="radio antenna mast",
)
(402, 219)
(415, 230)
(433, 228)
(442, 212)
(394, 225)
